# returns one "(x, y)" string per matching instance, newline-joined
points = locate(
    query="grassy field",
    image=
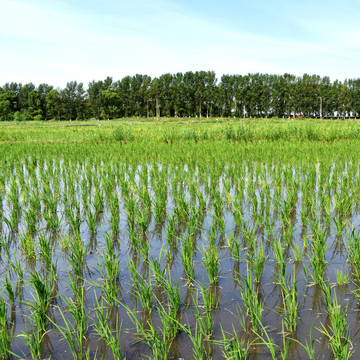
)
(194, 239)
(134, 129)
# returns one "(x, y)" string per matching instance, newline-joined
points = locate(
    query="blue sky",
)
(56, 41)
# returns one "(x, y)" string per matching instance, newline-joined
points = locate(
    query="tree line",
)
(192, 94)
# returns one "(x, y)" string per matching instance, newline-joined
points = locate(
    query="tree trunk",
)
(157, 109)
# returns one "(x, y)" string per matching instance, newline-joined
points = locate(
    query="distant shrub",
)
(122, 134)
(229, 133)
(18, 116)
(191, 135)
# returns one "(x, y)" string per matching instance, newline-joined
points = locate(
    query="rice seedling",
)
(309, 346)
(290, 310)
(170, 323)
(74, 330)
(34, 340)
(109, 335)
(17, 269)
(235, 347)
(280, 274)
(186, 257)
(73, 214)
(41, 300)
(115, 215)
(9, 289)
(91, 221)
(298, 252)
(234, 247)
(201, 345)
(5, 331)
(342, 277)
(211, 256)
(157, 342)
(142, 287)
(31, 219)
(158, 273)
(266, 340)
(317, 255)
(27, 244)
(76, 256)
(338, 333)
(109, 273)
(257, 260)
(250, 297)
(171, 232)
(353, 252)
(52, 221)
(251, 194)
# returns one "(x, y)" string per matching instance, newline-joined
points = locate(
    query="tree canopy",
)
(192, 94)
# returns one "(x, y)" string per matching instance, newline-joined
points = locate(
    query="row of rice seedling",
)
(173, 251)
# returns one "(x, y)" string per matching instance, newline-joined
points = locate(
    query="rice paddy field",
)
(181, 239)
